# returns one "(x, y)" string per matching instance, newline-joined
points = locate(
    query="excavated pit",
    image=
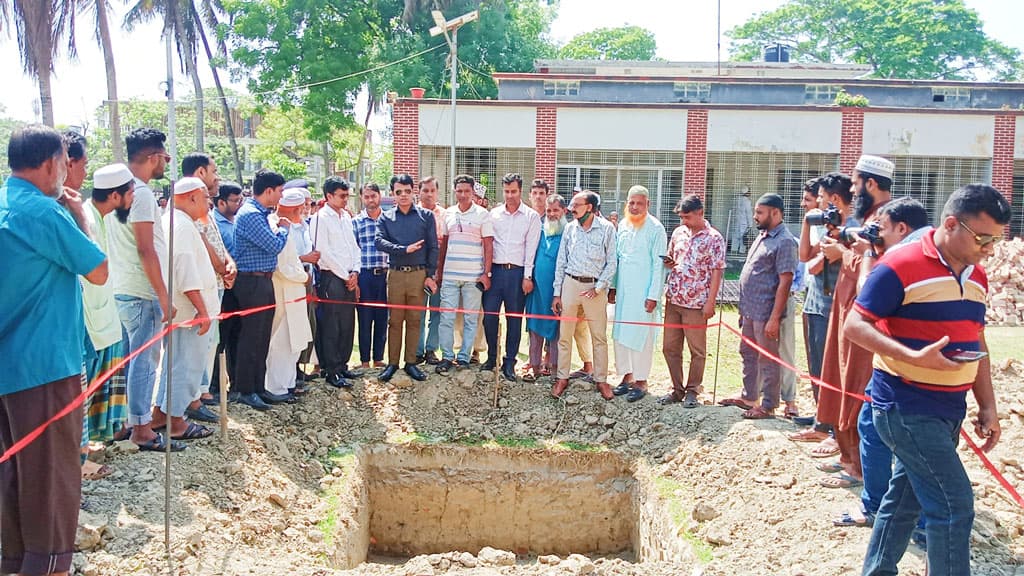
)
(404, 501)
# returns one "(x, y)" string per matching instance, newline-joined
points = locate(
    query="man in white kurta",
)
(290, 333)
(639, 279)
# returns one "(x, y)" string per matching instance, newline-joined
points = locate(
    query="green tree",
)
(622, 43)
(897, 38)
(40, 27)
(7, 127)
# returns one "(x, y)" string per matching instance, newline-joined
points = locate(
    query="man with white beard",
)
(544, 332)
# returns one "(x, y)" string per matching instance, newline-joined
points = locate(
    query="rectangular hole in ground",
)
(427, 499)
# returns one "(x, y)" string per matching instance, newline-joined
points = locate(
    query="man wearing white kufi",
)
(637, 289)
(290, 332)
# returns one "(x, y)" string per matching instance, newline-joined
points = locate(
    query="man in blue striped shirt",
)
(257, 245)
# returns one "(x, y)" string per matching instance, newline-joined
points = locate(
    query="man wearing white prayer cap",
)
(290, 332)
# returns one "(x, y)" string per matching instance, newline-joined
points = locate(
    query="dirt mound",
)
(274, 498)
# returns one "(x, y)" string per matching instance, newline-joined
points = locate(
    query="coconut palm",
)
(100, 10)
(40, 27)
(209, 17)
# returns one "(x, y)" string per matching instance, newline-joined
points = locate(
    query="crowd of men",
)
(87, 283)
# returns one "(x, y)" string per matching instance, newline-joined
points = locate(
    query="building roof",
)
(664, 69)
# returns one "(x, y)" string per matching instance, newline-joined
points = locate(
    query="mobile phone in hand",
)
(428, 291)
(964, 355)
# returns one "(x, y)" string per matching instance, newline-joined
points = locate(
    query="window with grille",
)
(1017, 200)
(611, 173)
(487, 165)
(955, 95)
(932, 179)
(820, 93)
(728, 173)
(561, 87)
(692, 91)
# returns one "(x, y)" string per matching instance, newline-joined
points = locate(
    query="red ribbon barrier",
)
(102, 378)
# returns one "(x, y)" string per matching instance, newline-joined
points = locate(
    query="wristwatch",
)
(488, 274)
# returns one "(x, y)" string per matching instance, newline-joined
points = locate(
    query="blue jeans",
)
(876, 464)
(429, 335)
(817, 329)
(141, 320)
(189, 353)
(928, 476)
(465, 295)
(373, 321)
(506, 288)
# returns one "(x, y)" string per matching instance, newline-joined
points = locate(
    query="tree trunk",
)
(45, 99)
(189, 58)
(108, 60)
(228, 126)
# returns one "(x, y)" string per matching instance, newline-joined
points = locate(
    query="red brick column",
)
(851, 139)
(405, 119)
(1002, 154)
(696, 163)
(544, 156)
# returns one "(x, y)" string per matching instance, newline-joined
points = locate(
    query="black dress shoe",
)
(508, 372)
(346, 373)
(635, 394)
(444, 367)
(415, 373)
(214, 401)
(253, 401)
(431, 358)
(488, 366)
(621, 389)
(338, 381)
(278, 398)
(388, 372)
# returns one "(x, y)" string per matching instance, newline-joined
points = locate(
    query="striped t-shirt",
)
(914, 297)
(464, 260)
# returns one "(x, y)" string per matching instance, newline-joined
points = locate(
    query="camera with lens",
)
(849, 234)
(827, 217)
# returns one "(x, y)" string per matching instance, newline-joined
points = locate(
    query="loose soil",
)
(288, 491)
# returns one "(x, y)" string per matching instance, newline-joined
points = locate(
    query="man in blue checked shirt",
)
(257, 245)
(373, 280)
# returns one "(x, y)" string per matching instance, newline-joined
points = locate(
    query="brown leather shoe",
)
(605, 390)
(559, 388)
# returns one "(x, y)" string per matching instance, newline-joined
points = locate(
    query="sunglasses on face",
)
(981, 240)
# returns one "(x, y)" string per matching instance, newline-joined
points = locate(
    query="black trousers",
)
(253, 341)
(336, 327)
(228, 343)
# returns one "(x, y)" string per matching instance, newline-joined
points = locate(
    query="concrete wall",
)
(610, 129)
(928, 135)
(478, 126)
(1018, 150)
(773, 131)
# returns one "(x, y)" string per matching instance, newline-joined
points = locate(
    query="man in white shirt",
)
(339, 281)
(195, 297)
(516, 235)
(463, 269)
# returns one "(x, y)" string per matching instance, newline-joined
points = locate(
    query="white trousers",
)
(636, 362)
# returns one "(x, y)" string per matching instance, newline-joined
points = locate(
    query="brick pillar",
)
(544, 157)
(1002, 154)
(696, 162)
(405, 118)
(851, 139)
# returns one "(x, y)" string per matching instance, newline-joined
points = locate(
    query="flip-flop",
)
(830, 467)
(847, 519)
(820, 452)
(194, 432)
(841, 480)
(102, 472)
(157, 445)
(738, 402)
(123, 434)
(808, 435)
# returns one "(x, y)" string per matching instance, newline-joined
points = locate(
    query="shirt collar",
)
(931, 251)
(15, 182)
(259, 206)
(774, 231)
(220, 217)
(519, 210)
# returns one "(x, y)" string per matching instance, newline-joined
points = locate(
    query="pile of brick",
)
(1006, 284)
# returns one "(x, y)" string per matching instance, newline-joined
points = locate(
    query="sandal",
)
(580, 374)
(123, 434)
(841, 480)
(738, 402)
(529, 374)
(157, 445)
(791, 410)
(100, 472)
(758, 413)
(545, 371)
(808, 435)
(848, 519)
(830, 467)
(825, 448)
(194, 432)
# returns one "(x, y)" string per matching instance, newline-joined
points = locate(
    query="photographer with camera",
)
(846, 364)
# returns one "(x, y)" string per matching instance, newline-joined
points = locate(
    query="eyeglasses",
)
(981, 240)
(164, 155)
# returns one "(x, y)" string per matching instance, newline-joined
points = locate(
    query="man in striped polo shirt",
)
(920, 304)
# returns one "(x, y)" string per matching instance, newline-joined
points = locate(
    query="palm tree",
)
(39, 26)
(209, 18)
(100, 8)
(178, 23)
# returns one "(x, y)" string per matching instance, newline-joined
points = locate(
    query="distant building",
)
(679, 127)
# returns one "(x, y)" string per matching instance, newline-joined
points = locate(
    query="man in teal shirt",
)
(45, 243)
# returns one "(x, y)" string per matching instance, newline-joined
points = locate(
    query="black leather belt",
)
(584, 279)
(507, 266)
(260, 274)
(407, 268)
(375, 271)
